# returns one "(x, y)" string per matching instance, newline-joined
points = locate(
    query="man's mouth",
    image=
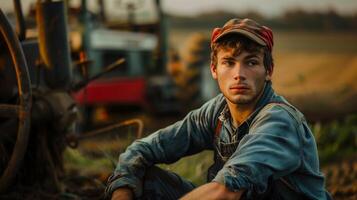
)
(239, 88)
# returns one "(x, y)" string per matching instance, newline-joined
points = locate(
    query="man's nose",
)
(239, 72)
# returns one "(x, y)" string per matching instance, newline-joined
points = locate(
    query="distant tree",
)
(295, 19)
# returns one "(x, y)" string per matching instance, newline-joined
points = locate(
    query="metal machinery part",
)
(48, 104)
(21, 110)
(73, 139)
(131, 6)
(56, 108)
(142, 80)
(53, 42)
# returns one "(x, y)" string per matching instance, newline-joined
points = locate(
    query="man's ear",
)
(214, 71)
(268, 75)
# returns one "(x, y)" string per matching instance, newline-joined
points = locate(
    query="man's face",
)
(241, 77)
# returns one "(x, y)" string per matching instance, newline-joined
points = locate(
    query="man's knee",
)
(165, 184)
(153, 173)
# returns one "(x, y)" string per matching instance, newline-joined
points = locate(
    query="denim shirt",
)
(274, 142)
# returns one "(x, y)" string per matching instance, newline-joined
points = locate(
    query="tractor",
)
(38, 113)
(142, 80)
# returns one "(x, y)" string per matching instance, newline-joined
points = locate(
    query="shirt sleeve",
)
(186, 137)
(271, 149)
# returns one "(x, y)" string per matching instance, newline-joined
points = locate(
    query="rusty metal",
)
(10, 111)
(25, 102)
(55, 108)
(54, 43)
(72, 139)
(109, 68)
(20, 25)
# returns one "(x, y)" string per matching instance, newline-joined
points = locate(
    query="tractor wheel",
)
(10, 47)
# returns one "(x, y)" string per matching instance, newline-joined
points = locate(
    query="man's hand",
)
(212, 190)
(123, 193)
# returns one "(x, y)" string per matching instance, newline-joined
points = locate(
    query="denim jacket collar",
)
(264, 99)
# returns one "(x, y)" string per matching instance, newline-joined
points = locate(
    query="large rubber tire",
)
(22, 110)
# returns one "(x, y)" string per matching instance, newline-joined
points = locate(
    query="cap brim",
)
(248, 34)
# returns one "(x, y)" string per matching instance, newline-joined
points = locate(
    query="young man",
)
(263, 147)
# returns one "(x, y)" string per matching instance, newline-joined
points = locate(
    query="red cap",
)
(247, 27)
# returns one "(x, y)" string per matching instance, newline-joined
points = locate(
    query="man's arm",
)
(189, 136)
(213, 190)
(271, 149)
(123, 193)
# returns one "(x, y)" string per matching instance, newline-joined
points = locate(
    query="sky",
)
(268, 8)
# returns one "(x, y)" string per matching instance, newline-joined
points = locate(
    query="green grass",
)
(193, 168)
(337, 139)
(85, 164)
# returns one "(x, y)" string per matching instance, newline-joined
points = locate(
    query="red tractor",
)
(141, 81)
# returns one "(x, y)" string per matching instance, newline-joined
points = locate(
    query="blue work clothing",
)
(160, 184)
(273, 152)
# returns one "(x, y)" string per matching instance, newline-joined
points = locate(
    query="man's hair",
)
(241, 43)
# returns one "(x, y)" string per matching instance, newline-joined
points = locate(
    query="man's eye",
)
(228, 63)
(252, 62)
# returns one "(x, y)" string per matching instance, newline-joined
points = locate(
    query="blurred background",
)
(125, 68)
